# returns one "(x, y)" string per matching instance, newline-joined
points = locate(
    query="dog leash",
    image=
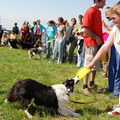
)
(86, 102)
(82, 102)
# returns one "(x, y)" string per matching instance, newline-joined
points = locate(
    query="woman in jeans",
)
(59, 41)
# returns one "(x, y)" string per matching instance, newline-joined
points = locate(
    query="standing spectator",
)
(24, 35)
(59, 41)
(108, 63)
(68, 32)
(114, 38)
(72, 41)
(32, 36)
(38, 30)
(50, 31)
(54, 34)
(106, 30)
(34, 24)
(80, 40)
(93, 39)
(15, 28)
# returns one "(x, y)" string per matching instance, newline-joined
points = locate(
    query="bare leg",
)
(85, 80)
(93, 74)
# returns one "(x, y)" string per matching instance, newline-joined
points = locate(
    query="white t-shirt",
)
(116, 32)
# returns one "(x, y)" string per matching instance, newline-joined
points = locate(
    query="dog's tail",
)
(12, 95)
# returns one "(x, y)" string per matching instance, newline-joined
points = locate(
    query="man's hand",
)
(90, 65)
(99, 42)
(92, 35)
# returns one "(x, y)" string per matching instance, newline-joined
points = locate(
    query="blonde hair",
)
(115, 10)
(4, 35)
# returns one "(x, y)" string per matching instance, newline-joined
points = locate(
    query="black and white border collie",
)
(30, 92)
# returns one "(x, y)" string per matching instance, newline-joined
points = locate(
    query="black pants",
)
(13, 43)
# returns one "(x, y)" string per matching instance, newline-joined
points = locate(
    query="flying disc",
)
(49, 41)
(82, 72)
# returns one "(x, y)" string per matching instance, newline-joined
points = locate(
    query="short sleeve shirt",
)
(61, 29)
(93, 21)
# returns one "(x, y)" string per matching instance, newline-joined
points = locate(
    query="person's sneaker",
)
(51, 61)
(113, 96)
(106, 90)
(113, 113)
(115, 110)
(104, 75)
(93, 86)
(87, 92)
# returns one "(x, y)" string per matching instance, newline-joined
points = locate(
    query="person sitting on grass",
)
(13, 40)
(4, 40)
(114, 38)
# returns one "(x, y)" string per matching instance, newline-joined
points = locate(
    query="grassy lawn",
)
(15, 65)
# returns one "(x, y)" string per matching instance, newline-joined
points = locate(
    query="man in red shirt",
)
(93, 39)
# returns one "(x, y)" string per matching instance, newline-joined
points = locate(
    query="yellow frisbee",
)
(82, 72)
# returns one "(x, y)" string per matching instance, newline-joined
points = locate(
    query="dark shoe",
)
(106, 90)
(113, 96)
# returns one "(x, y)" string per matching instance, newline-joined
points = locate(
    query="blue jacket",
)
(41, 29)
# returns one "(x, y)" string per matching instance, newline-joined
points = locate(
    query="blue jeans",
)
(111, 68)
(114, 71)
(58, 49)
(80, 60)
(80, 53)
(117, 74)
(48, 47)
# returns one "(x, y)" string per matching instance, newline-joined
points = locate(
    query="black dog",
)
(29, 92)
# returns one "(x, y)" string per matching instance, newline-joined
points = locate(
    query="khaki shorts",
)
(90, 52)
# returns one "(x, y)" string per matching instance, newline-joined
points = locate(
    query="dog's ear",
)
(69, 82)
(65, 82)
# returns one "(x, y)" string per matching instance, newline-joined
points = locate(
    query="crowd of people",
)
(83, 37)
(59, 39)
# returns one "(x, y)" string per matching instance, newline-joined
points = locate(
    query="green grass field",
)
(15, 65)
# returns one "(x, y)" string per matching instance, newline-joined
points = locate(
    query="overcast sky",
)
(30, 10)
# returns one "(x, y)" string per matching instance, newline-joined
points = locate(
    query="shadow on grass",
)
(42, 111)
(94, 111)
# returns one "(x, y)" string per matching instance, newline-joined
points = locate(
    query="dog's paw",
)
(30, 56)
(28, 114)
(6, 101)
(76, 115)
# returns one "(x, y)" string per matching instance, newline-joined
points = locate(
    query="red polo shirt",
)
(93, 21)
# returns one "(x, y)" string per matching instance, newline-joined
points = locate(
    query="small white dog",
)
(30, 92)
